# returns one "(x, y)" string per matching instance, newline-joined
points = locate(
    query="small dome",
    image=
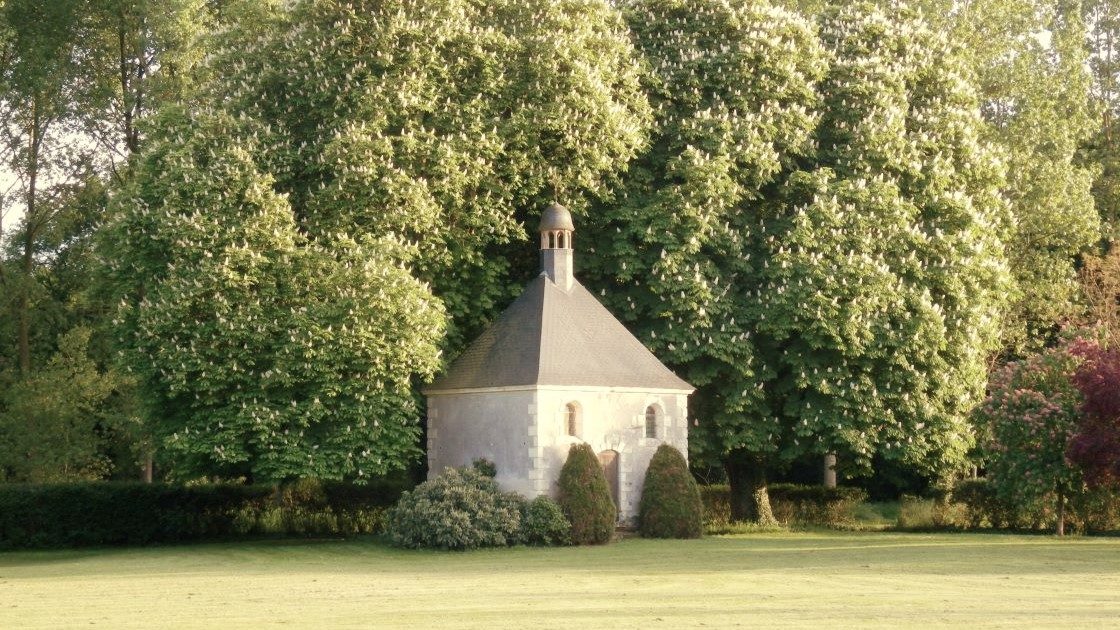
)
(556, 217)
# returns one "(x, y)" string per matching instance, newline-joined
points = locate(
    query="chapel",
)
(556, 368)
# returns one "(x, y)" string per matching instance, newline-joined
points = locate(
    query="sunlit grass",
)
(820, 579)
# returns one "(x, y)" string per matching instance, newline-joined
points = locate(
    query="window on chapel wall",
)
(651, 421)
(571, 419)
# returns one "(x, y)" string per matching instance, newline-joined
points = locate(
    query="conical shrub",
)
(586, 498)
(670, 506)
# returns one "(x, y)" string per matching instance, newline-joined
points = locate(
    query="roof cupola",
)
(556, 245)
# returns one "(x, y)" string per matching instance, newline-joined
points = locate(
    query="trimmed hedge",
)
(132, 513)
(585, 498)
(82, 514)
(792, 504)
(337, 495)
(670, 505)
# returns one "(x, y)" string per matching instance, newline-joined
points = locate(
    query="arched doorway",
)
(609, 461)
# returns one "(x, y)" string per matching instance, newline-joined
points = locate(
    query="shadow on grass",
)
(17, 557)
(781, 551)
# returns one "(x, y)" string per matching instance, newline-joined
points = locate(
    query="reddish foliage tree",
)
(1031, 412)
(1095, 448)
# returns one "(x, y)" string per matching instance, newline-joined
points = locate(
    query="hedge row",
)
(975, 504)
(127, 513)
(792, 504)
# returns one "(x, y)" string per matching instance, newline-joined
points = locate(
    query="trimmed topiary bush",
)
(460, 509)
(543, 524)
(585, 498)
(670, 506)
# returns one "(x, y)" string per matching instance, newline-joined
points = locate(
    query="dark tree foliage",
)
(1095, 448)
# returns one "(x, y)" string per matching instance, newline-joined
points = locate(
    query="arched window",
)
(571, 419)
(651, 421)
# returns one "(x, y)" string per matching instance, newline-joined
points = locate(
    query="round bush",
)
(543, 523)
(460, 509)
(670, 506)
(585, 497)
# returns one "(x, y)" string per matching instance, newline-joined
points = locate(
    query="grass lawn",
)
(829, 579)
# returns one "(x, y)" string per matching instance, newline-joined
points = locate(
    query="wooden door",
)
(609, 461)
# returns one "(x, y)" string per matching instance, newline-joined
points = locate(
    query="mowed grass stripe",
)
(806, 579)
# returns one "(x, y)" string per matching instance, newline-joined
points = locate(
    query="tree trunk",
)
(829, 477)
(23, 305)
(146, 469)
(1061, 513)
(749, 498)
(30, 222)
(24, 333)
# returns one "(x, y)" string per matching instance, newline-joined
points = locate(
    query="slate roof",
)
(549, 336)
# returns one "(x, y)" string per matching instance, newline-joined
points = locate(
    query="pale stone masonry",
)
(556, 368)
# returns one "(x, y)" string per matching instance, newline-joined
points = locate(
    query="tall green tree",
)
(80, 79)
(142, 55)
(677, 254)
(1102, 18)
(342, 158)
(55, 423)
(814, 237)
(260, 354)
(449, 123)
(40, 74)
(1031, 67)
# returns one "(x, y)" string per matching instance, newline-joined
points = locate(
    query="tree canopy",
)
(292, 241)
(445, 123)
(259, 353)
(1102, 19)
(815, 236)
(1032, 74)
(834, 218)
